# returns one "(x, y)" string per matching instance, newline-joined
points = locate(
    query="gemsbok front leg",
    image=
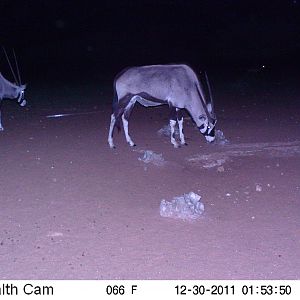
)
(173, 140)
(1, 127)
(173, 118)
(180, 125)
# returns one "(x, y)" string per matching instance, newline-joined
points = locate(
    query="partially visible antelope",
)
(9, 90)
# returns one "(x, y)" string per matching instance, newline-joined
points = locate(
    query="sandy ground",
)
(71, 208)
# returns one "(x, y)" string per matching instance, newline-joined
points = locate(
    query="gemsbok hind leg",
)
(125, 118)
(118, 112)
(111, 130)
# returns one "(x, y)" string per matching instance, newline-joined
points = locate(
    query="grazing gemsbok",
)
(175, 85)
(11, 91)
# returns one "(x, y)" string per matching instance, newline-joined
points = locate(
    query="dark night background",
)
(93, 39)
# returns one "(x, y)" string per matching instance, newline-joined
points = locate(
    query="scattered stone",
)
(54, 234)
(220, 169)
(186, 207)
(220, 138)
(258, 188)
(166, 131)
(152, 157)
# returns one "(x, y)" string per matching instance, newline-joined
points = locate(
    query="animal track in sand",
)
(229, 152)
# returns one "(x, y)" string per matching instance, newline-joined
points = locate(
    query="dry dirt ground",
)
(71, 208)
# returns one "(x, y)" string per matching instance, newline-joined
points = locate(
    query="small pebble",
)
(220, 169)
(258, 188)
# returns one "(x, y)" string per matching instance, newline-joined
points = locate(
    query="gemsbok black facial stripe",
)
(209, 132)
(212, 132)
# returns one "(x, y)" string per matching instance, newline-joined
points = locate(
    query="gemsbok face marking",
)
(175, 85)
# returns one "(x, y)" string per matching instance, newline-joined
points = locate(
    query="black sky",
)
(111, 34)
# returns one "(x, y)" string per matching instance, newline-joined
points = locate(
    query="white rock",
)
(258, 188)
(220, 169)
(186, 207)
